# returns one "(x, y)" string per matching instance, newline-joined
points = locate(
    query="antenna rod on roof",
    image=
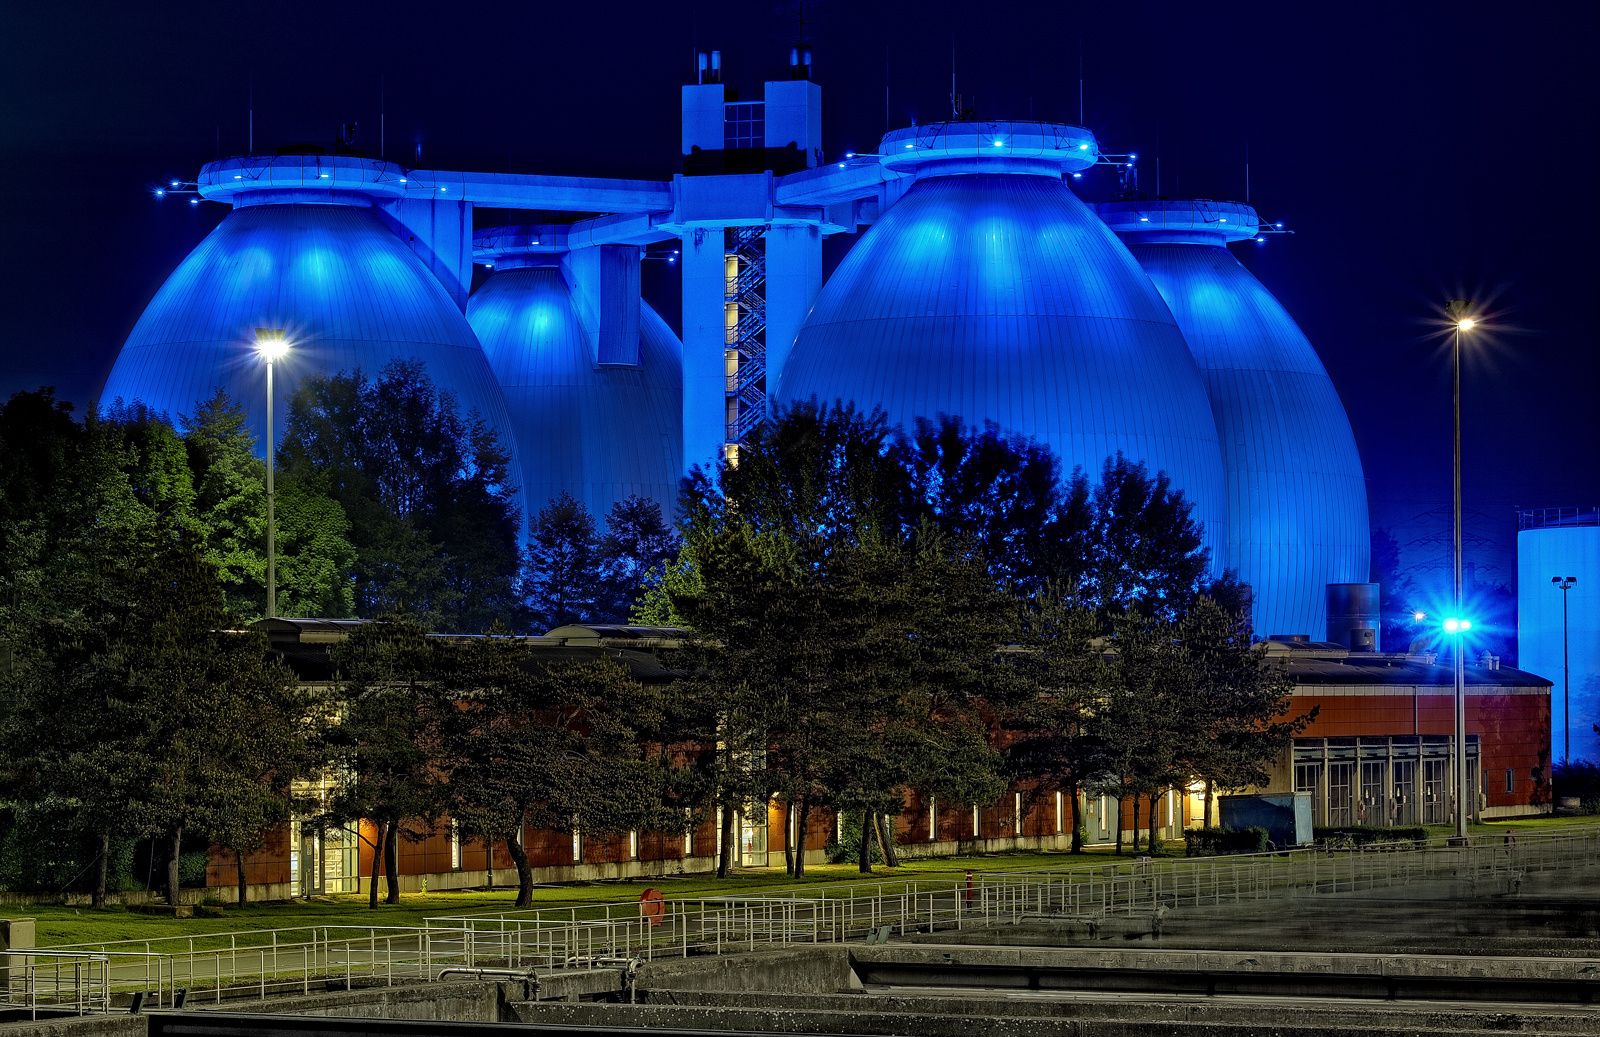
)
(1247, 171)
(1080, 80)
(382, 112)
(250, 148)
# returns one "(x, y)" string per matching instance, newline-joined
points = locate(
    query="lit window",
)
(633, 846)
(455, 846)
(933, 819)
(577, 847)
(1016, 816)
(976, 828)
(1059, 804)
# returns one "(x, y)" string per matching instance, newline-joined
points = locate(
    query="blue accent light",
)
(602, 432)
(1457, 626)
(999, 143)
(194, 201)
(1002, 297)
(348, 291)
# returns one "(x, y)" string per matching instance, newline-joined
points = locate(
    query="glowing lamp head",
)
(1466, 324)
(1419, 616)
(271, 344)
(1457, 626)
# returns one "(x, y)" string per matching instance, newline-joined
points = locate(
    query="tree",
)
(562, 580)
(1059, 742)
(1145, 553)
(387, 743)
(314, 552)
(553, 746)
(427, 491)
(637, 542)
(1240, 701)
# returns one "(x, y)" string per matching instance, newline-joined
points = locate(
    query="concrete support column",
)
(439, 231)
(705, 335)
(794, 276)
(15, 934)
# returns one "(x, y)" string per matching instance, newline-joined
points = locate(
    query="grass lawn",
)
(57, 925)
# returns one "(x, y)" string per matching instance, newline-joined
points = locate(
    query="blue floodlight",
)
(1077, 176)
(1083, 147)
(999, 143)
(1132, 155)
(194, 201)
(174, 183)
(160, 193)
(910, 146)
(849, 154)
(1457, 626)
(1261, 240)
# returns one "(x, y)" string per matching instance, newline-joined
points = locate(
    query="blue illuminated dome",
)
(347, 291)
(990, 291)
(1297, 501)
(602, 432)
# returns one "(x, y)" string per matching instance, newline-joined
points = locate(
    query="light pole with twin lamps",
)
(271, 346)
(1564, 584)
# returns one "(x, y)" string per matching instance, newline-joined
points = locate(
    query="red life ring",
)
(652, 906)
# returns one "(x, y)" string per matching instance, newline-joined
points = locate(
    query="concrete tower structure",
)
(1558, 631)
(1297, 500)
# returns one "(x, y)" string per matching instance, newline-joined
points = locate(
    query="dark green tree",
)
(562, 581)
(427, 491)
(636, 543)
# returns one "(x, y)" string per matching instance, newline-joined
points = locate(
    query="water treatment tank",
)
(600, 431)
(1297, 501)
(325, 268)
(1558, 630)
(988, 290)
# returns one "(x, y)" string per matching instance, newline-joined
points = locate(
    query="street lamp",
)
(271, 346)
(1564, 585)
(1459, 310)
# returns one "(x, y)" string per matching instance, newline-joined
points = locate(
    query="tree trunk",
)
(488, 862)
(725, 858)
(238, 863)
(99, 898)
(1077, 820)
(391, 863)
(802, 818)
(1136, 833)
(864, 846)
(378, 843)
(788, 841)
(1208, 802)
(524, 873)
(172, 865)
(885, 841)
(1152, 844)
(1119, 826)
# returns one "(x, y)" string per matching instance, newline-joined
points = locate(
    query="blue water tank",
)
(1558, 630)
(991, 292)
(347, 291)
(1297, 500)
(602, 432)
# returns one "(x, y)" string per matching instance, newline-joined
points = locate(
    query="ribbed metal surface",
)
(348, 292)
(1297, 502)
(602, 433)
(1005, 298)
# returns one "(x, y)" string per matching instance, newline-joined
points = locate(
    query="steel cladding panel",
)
(1541, 648)
(348, 292)
(1005, 298)
(1297, 501)
(601, 432)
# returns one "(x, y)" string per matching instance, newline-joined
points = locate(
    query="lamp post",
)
(1564, 584)
(271, 346)
(1458, 310)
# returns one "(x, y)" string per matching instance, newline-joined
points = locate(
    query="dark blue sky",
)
(1421, 151)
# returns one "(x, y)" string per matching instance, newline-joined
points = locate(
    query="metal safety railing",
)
(259, 963)
(56, 982)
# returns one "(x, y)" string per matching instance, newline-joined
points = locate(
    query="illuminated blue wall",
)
(600, 432)
(1568, 546)
(1297, 502)
(1003, 297)
(345, 288)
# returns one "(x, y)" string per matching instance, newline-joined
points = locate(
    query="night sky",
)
(1420, 151)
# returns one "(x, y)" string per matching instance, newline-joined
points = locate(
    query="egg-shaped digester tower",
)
(600, 431)
(989, 291)
(1297, 500)
(323, 266)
